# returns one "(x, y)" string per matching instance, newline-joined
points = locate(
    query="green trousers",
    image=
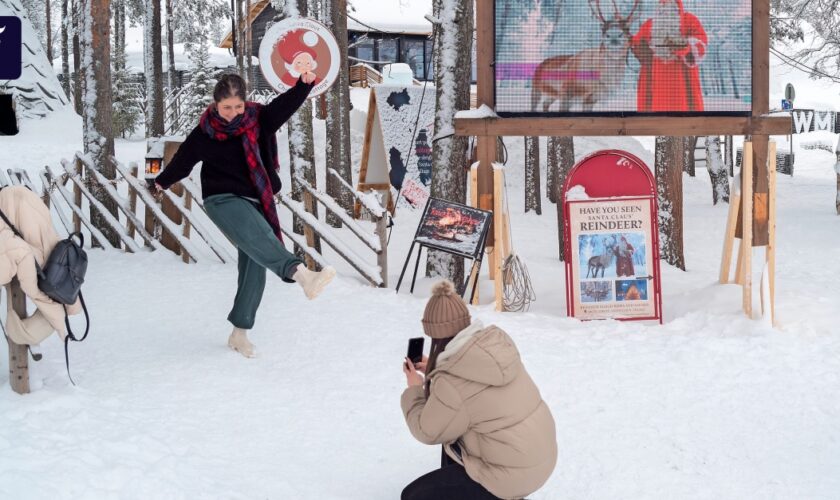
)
(242, 220)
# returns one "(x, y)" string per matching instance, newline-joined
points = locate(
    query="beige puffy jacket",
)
(482, 397)
(18, 256)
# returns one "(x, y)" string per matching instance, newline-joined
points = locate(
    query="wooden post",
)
(486, 145)
(132, 203)
(498, 228)
(729, 236)
(382, 255)
(77, 195)
(188, 206)
(18, 355)
(837, 169)
(474, 203)
(309, 206)
(771, 245)
(746, 224)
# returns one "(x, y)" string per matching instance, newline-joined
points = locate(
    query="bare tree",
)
(49, 31)
(301, 143)
(238, 39)
(561, 159)
(65, 53)
(153, 62)
(669, 168)
(689, 165)
(77, 72)
(170, 45)
(338, 114)
(717, 170)
(533, 197)
(452, 49)
(249, 45)
(95, 46)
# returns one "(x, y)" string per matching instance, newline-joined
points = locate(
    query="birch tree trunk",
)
(49, 32)
(153, 62)
(77, 71)
(688, 162)
(301, 143)
(98, 138)
(170, 47)
(338, 115)
(65, 52)
(561, 153)
(452, 48)
(669, 169)
(238, 40)
(728, 155)
(533, 197)
(249, 45)
(717, 170)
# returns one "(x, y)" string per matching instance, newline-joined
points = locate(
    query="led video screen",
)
(623, 57)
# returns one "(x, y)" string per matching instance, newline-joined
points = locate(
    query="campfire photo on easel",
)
(453, 227)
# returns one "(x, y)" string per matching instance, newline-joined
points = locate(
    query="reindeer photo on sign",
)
(620, 57)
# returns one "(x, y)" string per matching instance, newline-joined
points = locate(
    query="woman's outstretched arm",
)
(279, 110)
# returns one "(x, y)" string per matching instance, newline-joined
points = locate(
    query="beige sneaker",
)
(313, 283)
(238, 341)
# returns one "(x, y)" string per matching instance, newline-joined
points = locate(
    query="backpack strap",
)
(9, 223)
(70, 336)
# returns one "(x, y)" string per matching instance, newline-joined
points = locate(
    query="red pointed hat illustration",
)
(297, 49)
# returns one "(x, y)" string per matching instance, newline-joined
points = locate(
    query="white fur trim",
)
(460, 339)
(291, 70)
(310, 38)
(698, 50)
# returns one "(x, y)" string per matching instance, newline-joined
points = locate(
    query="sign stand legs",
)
(408, 258)
(746, 224)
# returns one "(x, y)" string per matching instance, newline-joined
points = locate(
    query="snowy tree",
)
(669, 159)
(299, 126)
(792, 19)
(560, 160)
(452, 49)
(153, 62)
(533, 198)
(198, 93)
(688, 162)
(717, 170)
(65, 52)
(98, 137)
(338, 113)
(76, 21)
(126, 114)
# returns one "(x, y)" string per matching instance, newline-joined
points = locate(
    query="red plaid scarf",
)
(247, 126)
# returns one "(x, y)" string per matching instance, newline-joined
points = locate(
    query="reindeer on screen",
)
(585, 78)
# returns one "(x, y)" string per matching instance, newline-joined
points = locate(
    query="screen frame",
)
(625, 114)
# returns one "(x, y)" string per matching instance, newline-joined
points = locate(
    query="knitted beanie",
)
(446, 314)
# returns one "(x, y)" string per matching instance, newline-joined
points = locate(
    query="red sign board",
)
(611, 239)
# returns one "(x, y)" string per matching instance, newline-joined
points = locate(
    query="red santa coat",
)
(670, 85)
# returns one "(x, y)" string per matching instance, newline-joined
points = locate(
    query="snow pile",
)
(484, 111)
(576, 193)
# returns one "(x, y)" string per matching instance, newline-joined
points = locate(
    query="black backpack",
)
(61, 280)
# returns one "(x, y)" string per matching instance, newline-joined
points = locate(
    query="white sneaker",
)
(238, 341)
(313, 283)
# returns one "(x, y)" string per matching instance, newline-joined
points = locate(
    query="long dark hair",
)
(229, 85)
(438, 345)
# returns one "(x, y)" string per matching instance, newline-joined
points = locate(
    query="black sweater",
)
(224, 168)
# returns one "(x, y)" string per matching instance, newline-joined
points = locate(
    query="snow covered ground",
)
(710, 405)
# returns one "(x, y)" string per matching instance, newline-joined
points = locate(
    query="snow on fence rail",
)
(377, 275)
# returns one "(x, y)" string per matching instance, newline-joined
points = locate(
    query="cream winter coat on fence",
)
(18, 256)
(482, 397)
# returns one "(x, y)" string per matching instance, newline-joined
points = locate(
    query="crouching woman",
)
(479, 402)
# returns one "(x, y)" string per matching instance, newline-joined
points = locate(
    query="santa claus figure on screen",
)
(670, 47)
(297, 49)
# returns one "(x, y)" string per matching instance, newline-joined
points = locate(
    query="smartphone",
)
(415, 349)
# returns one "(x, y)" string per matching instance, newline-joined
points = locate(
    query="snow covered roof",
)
(391, 16)
(401, 16)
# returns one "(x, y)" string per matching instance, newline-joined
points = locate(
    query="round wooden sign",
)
(294, 46)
